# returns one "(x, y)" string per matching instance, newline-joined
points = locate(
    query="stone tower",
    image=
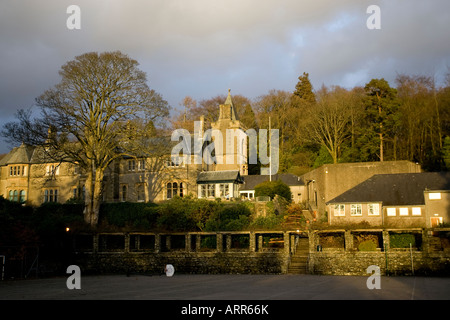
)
(234, 139)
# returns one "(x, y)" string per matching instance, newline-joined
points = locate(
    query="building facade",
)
(27, 175)
(400, 200)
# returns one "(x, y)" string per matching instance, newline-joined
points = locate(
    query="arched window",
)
(169, 190)
(22, 196)
(140, 193)
(16, 196)
(124, 193)
(174, 189)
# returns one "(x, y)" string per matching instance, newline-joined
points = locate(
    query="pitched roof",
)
(18, 155)
(231, 113)
(395, 189)
(251, 181)
(219, 176)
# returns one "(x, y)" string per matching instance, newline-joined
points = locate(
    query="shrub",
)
(230, 217)
(269, 222)
(272, 188)
(402, 240)
(367, 245)
(129, 215)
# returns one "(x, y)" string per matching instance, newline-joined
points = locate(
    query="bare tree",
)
(328, 121)
(85, 119)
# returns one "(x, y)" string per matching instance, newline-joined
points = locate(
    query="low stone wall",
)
(422, 258)
(259, 252)
(239, 252)
(195, 263)
(392, 263)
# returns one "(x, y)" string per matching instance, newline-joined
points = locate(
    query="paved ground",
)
(227, 287)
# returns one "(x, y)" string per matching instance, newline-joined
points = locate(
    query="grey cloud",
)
(203, 47)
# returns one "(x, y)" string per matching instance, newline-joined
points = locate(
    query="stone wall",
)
(331, 252)
(422, 258)
(247, 252)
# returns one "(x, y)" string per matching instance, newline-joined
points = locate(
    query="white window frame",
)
(339, 210)
(356, 209)
(434, 196)
(391, 212)
(373, 209)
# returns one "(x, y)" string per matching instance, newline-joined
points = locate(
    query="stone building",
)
(330, 180)
(27, 175)
(400, 200)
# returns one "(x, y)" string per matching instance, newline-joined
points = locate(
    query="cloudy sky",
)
(201, 48)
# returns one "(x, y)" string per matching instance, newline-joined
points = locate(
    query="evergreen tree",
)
(381, 111)
(304, 89)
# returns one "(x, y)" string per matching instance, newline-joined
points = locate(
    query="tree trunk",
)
(93, 189)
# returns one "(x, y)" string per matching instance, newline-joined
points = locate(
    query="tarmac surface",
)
(227, 287)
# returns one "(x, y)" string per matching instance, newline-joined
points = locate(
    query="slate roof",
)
(219, 176)
(395, 189)
(253, 180)
(19, 155)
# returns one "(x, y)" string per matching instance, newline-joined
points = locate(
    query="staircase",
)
(299, 260)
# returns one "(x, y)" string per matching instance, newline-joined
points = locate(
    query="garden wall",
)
(395, 251)
(237, 252)
(332, 252)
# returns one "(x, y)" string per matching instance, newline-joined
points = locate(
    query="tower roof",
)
(227, 109)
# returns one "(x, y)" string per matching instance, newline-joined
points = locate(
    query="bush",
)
(367, 245)
(230, 217)
(402, 240)
(269, 222)
(272, 188)
(128, 215)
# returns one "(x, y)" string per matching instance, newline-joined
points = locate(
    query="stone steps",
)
(299, 261)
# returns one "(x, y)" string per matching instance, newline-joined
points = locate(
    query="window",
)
(174, 189)
(416, 211)
(434, 196)
(124, 192)
(17, 196)
(131, 165)
(224, 190)
(17, 170)
(211, 190)
(391, 212)
(207, 190)
(140, 193)
(403, 211)
(175, 162)
(22, 196)
(373, 209)
(52, 170)
(355, 210)
(203, 190)
(141, 165)
(169, 190)
(339, 210)
(50, 195)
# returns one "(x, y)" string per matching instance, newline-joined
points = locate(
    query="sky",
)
(202, 48)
